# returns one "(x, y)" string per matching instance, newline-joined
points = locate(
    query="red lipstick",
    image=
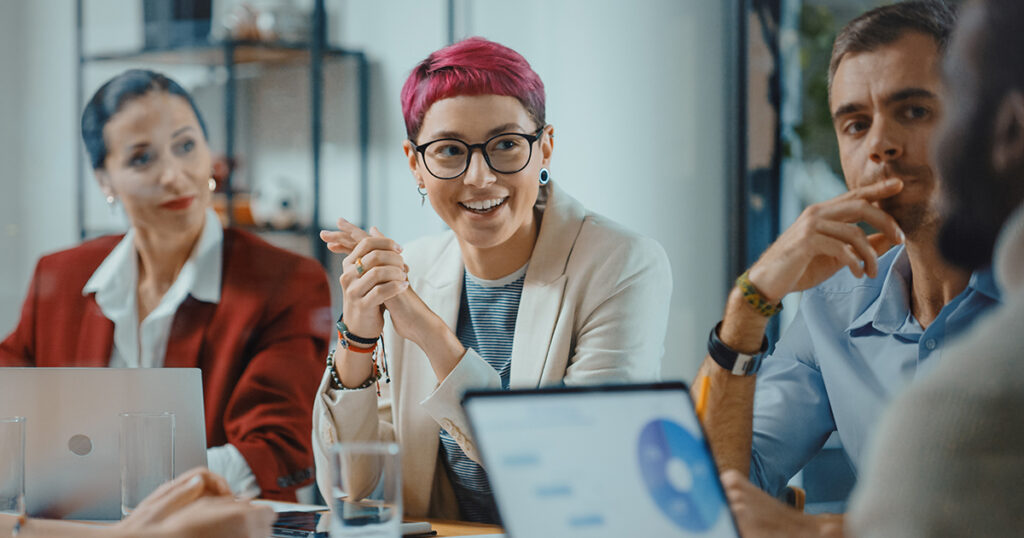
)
(178, 203)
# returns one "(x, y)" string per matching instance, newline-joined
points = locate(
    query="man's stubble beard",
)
(919, 221)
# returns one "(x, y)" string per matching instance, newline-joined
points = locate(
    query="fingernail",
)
(893, 182)
(398, 247)
(195, 481)
(903, 238)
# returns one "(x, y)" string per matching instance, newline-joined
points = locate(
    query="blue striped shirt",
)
(487, 323)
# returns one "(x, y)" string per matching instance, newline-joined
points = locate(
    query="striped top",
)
(487, 323)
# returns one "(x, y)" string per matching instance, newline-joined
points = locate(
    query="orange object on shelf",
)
(241, 209)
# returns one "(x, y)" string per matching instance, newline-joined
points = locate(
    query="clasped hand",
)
(375, 278)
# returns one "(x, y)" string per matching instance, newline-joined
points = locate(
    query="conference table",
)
(446, 527)
(462, 528)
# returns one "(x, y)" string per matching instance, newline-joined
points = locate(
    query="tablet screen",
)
(611, 462)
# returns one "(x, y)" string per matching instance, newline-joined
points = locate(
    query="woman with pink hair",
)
(527, 289)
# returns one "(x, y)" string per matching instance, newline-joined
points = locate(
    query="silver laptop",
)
(80, 478)
(610, 461)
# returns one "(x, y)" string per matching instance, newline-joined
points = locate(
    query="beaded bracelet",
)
(336, 381)
(753, 297)
(21, 521)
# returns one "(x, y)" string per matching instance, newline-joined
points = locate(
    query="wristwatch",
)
(732, 360)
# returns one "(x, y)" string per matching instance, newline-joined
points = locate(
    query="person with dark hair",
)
(877, 309)
(178, 290)
(949, 455)
(527, 289)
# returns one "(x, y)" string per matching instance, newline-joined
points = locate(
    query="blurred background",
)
(640, 94)
(702, 124)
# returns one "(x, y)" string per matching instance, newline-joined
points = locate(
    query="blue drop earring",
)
(545, 176)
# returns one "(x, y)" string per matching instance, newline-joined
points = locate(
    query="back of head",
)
(473, 66)
(884, 25)
(980, 147)
(997, 53)
(113, 95)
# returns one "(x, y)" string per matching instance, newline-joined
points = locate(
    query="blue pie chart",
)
(679, 475)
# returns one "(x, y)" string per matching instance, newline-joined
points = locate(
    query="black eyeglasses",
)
(505, 153)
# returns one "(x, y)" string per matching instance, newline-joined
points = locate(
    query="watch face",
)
(744, 364)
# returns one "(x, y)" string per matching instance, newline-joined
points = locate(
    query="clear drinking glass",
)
(366, 480)
(12, 465)
(147, 455)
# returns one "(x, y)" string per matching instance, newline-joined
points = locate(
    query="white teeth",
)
(483, 205)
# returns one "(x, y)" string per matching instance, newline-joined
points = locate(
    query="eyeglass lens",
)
(506, 154)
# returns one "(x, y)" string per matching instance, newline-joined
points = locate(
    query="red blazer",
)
(261, 349)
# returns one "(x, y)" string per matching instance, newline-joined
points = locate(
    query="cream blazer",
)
(593, 310)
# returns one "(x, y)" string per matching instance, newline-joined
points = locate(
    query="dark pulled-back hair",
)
(886, 24)
(113, 95)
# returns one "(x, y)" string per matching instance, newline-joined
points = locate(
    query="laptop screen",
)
(609, 461)
(72, 430)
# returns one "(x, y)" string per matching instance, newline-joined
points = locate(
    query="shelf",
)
(213, 54)
(228, 54)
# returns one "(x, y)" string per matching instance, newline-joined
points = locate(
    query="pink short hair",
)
(473, 66)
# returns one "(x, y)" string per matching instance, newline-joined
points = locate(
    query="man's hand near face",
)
(826, 238)
(823, 240)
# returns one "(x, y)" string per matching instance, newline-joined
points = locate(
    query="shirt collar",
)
(984, 281)
(889, 313)
(114, 279)
(890, 310)
(208, 257)
(117, 274)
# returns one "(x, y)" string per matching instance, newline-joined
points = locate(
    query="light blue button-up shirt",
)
(853, 346)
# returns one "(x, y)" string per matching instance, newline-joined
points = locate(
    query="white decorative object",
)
(276, 204)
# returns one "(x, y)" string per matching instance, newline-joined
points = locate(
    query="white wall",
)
(636, 91)
(12, 118)
(38, 133)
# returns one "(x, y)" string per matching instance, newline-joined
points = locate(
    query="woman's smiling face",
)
(484, 208)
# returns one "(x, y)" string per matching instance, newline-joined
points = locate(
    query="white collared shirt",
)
(115, 283)
(144, 345)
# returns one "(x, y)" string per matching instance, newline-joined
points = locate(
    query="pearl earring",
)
(213, 184)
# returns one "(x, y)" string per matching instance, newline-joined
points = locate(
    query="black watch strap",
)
(343, 330)
(732, 360)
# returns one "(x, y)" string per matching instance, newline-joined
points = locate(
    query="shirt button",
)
(930, 343)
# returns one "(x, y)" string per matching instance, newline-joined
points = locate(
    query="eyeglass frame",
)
(422, 148)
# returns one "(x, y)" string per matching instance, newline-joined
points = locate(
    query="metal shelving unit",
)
(229, 54)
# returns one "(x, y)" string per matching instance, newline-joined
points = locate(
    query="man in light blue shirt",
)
(853, 346)
(877, 309)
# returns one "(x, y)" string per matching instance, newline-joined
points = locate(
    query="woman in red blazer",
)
(179, 291)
